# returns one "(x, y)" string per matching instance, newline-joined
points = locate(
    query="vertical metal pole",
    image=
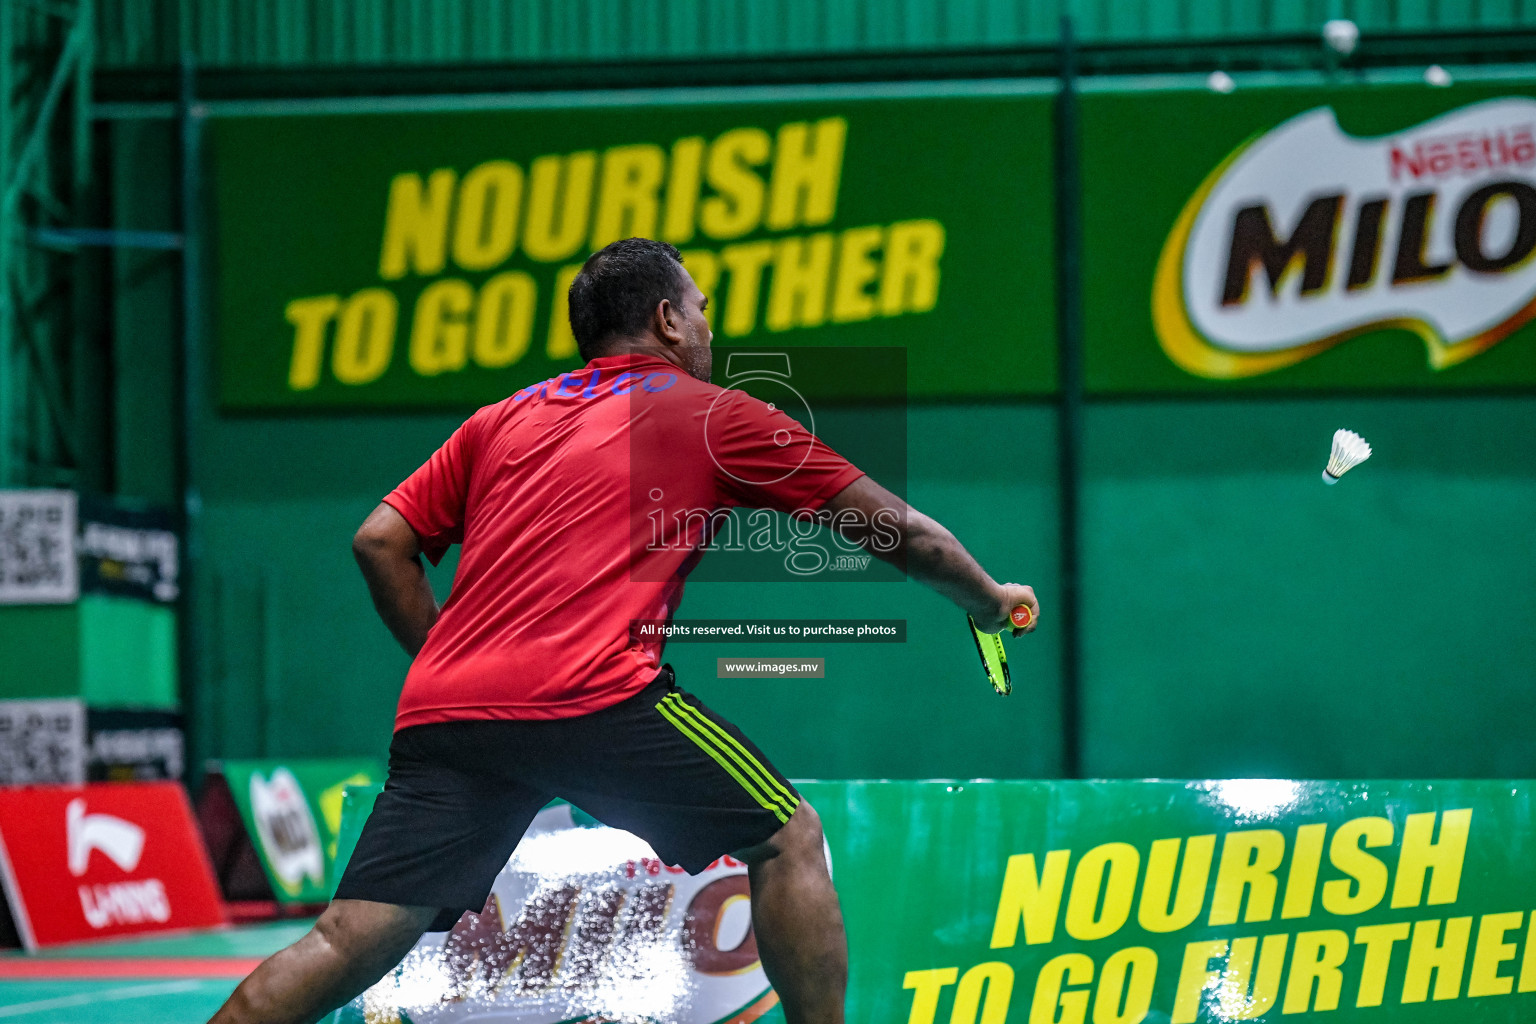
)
(212, 726)
(195, 686)
(8, 367)
(85, 66)
(1069, 405)
(271, 668)
(89, 390)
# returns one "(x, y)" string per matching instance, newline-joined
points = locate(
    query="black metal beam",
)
(199, 691)
(1069, 402)
(71, 239)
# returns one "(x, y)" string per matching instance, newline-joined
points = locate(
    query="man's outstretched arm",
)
(872, 516)
(389, 553)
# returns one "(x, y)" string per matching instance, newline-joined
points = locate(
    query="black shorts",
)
(460, 795)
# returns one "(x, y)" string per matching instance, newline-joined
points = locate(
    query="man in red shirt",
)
(528, 683)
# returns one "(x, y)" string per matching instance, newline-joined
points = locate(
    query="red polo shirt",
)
(582, 503)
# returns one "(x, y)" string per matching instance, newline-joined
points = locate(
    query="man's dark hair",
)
(618, 289)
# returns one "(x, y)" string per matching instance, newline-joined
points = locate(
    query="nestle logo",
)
(1307, 236)
(1464, 153)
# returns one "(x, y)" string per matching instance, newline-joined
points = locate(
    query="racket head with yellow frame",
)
(993, 661)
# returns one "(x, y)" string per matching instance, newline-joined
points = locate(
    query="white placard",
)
(37, 547)
(42, 741)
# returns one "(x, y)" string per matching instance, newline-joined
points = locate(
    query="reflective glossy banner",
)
(1056, 903)
(583, 924)
(1184, 902)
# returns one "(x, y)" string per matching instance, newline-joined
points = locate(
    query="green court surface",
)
(73, 1001)
(177, 979)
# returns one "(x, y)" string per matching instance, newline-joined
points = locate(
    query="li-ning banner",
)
(1116, 902)
(1370, 236)
(422, 258)
(103, 861)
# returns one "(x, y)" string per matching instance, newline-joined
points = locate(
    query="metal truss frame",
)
(47, 58)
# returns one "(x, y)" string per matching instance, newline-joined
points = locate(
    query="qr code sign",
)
(37, 547)
(42, 741)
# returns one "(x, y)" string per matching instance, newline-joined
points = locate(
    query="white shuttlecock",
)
(1349, 450)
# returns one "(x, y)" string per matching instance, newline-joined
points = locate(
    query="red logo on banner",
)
(90, 862)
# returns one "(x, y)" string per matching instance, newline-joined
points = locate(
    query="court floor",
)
(179, 979)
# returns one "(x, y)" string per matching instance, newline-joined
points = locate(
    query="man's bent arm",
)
(894, 532)
(389, 553)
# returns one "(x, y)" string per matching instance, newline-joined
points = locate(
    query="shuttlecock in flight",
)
(1349, 450)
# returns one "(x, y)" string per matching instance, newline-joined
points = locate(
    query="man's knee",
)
(360, 930)
(800, 836)
(803, 827)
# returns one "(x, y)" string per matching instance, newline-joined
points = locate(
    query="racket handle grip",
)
(1021, 616)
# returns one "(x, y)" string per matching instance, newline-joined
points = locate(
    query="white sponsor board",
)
(586, 924)
(1305, 237)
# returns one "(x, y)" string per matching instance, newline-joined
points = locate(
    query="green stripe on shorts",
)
(704, 744)
(740, 754)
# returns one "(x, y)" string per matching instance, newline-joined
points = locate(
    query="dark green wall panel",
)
(145, 322)
(42, 651)
(232, 33)
(295, 658)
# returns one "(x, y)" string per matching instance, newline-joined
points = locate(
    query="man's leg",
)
(348, 949)
(797, 921)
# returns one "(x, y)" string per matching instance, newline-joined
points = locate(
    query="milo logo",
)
(286, 830)
(1305, 237)
(585, 923)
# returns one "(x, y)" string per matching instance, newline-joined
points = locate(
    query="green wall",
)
(1240, 619)
(300, 665)
(145, 290)
(42, 651)
(109, 651)
(922, 709)
(1243, 619)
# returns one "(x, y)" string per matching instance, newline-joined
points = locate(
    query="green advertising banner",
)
(292, 811)
(1124, 902)
(414, 257)
(1302, 237)
(1185, 902)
